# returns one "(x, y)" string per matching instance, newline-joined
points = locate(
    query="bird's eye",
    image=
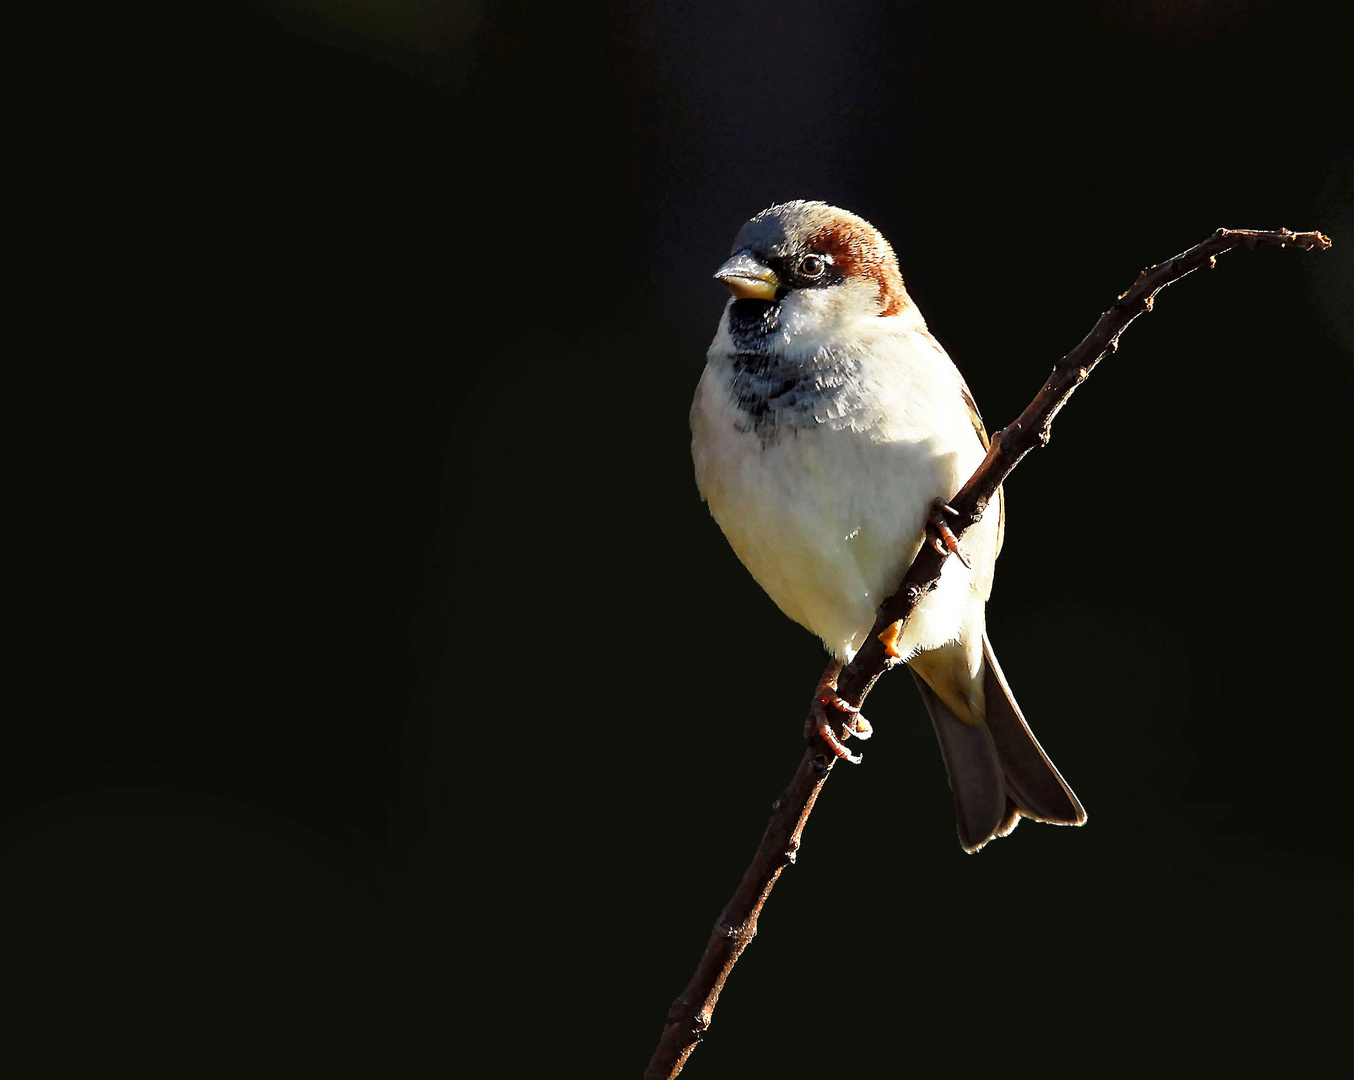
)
(812, 266)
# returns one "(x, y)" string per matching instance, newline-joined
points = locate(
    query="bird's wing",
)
(978, 427)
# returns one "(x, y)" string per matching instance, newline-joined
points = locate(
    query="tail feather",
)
(1032, 780)
(998, 771)
(971, 759)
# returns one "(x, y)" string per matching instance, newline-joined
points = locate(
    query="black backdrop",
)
(397, 701)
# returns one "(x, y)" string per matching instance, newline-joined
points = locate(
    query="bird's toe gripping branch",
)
(944, 541)
(828, 710)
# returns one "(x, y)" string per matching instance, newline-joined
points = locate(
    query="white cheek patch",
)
(811, 318)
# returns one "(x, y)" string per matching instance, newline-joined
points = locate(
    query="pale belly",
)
(827, 522)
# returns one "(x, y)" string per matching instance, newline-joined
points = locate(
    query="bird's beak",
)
(748, 278)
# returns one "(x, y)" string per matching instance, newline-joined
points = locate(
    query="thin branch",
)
(737, 923)
(1031, 428)
(690, 1014)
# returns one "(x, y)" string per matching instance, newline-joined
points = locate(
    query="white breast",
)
(828, 519)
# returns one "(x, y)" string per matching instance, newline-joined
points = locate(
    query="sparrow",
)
(828, 428)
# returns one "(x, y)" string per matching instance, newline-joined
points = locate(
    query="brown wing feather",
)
(977, 421)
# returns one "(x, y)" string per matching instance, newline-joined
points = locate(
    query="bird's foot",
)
(826, 702)
(945, 542)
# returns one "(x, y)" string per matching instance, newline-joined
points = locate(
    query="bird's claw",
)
(822, 727)
(945, 542)
(826, 698)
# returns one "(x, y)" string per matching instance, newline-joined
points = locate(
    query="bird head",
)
(807, 269)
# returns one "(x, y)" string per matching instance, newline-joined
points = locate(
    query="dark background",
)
(391, 700)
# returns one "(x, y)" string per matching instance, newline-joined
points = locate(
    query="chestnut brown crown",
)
(812, 244)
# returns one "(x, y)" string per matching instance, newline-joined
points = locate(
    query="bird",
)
(827, 430)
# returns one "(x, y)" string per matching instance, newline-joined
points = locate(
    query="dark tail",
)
(998, 771)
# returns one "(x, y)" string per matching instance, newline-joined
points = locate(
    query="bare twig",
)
(690, 1014)
(1031, 428)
